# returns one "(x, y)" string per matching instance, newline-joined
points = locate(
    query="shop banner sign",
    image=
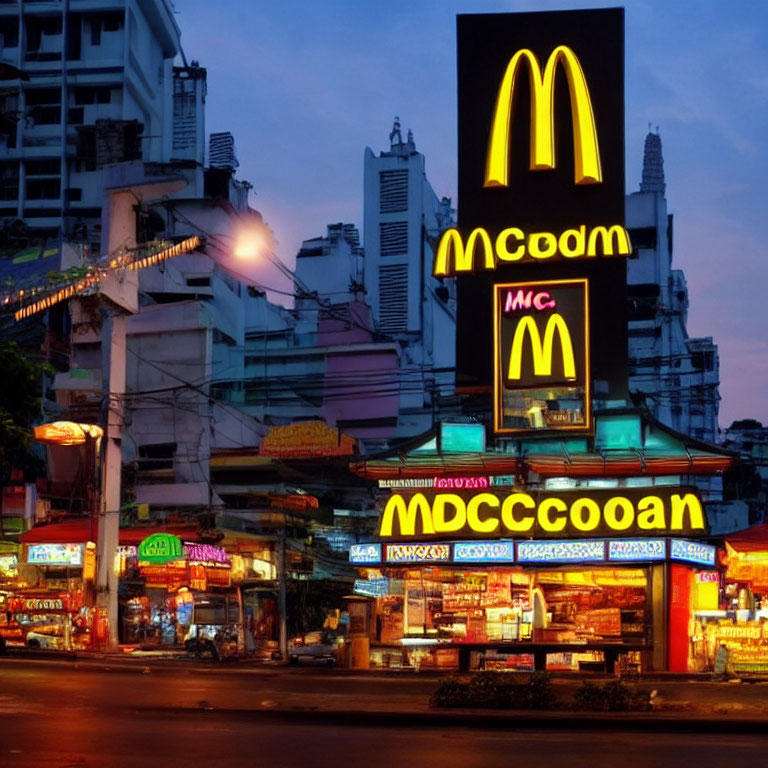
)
(160, 548)
(362, 554)
(55, 554)
(172, 575)
(484, 552)
(541, 356)
(38, 605)
(560, 551)
(205, 553)
(637, 549)
(371, 587)
(418, 553)
(604, 513)
(692, 552)
(9, 566)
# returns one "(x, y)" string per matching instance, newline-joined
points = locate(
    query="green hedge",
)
(613, 696)
(496, 690)
(500, 690)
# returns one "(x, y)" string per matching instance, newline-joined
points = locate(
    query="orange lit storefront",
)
(158, 601)
(609, 573)
(730, 634)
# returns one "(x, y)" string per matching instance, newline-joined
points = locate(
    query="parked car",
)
(319, 647)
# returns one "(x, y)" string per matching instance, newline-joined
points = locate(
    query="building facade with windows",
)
(674, 375)
(403, 219)
(87, 84)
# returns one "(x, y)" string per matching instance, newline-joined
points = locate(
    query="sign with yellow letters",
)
(541, 184)
(541, 363)
(654, 511)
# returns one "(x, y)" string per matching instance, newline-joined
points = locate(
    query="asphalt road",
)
(184, 685)
(59, 715)
(85, 738)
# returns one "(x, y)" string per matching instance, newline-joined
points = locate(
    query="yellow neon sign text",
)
(521, 514)
(587, 169)
(541, 350)
(513, 245)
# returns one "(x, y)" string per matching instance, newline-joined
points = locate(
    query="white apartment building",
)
(87, 83)
(403, 219)
(676, 376)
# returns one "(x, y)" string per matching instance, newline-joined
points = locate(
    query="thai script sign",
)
(483, 552)
(55, 554)
(637, 549)
(160, 548)
(692, 552)
(560, 551)
(365, 553)
(205, 553)
(417, 553)
(306, 439)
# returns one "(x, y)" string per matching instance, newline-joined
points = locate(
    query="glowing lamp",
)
(66, 433)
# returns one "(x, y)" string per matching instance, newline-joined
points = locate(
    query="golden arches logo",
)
(587, 169)
(541, 351)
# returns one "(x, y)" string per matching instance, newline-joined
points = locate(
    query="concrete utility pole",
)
(113, 341)
(117, 281)
(124, 184)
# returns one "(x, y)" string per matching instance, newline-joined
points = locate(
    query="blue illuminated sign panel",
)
(692, 552)
(371, 587)
(365, 553)
(637, 549)
(560, 551)
(55, 554)
(484, 552)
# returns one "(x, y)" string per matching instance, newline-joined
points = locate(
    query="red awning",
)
(79, 531)
(754, 539)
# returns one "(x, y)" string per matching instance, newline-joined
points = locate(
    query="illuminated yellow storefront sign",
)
(541, 356)
(587, 168)
(512, 245)
(528, 515)
(541, 351)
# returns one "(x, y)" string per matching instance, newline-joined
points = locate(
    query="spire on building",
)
(396, 144)
(653, 164)
(395, 136)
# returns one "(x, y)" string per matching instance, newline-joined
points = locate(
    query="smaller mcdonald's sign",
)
(541, 356)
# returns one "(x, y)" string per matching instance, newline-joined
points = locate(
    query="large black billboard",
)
(541, 176)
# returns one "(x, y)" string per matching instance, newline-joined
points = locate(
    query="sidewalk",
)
(401, 698)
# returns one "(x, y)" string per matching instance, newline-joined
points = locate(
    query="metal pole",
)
(282, 589)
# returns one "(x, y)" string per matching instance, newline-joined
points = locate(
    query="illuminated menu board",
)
(692, 552)
(483, 552)
(637, 549)
(560, 551)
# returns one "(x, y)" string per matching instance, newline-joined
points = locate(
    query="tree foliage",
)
(20, 390)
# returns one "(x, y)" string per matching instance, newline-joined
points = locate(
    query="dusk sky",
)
(305, 85)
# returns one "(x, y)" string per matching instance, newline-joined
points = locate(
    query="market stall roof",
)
(79, 531)
(754, 539)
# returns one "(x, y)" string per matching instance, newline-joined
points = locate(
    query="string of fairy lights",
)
(41, 297)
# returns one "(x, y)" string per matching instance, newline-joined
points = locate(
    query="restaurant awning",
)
(79, 531)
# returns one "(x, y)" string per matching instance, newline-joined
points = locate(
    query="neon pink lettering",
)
(544, 300)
